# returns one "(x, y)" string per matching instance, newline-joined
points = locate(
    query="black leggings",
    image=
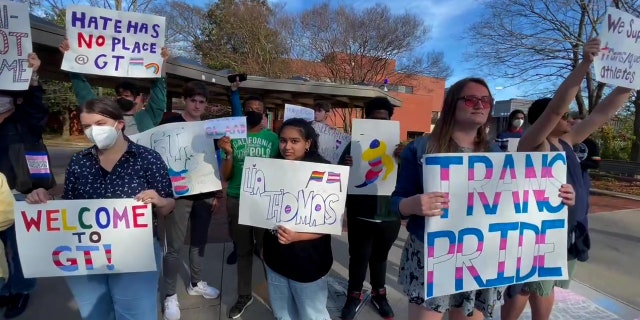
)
(369, 244)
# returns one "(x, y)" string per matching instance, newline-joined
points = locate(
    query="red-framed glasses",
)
(472, 101)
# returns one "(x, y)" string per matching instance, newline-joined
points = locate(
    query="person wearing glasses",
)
(551, 130)
(460, 129)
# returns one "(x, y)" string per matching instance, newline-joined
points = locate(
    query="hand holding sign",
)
(591, 50)
(428, 204)
(567, 194)
(34, 61)
(38, 196)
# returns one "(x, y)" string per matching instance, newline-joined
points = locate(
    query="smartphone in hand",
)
(241, 77)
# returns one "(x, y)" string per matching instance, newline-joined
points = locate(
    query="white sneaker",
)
(202, 289)
(171, 308)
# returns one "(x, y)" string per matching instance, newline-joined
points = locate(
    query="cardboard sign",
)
(114, 43)
(293, 111)
(505, 223)
(374, 168)
(302, 196)
(189, 154)
(15, 31)
(80, 237)
(331, 142)
(619, 60)
(232, 127)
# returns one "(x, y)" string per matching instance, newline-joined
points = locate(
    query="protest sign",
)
(189, 154)
(114, 43)
(505, 223)
(232, 127)
(15, 30)
(80, 237)
(331, 142)
(619, 60)
(293, 111)
(374, 168)
(302, 196)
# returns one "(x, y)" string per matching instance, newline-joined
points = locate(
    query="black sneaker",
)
(350, 308)
(379, 300)
(238, 308)
(17, 305)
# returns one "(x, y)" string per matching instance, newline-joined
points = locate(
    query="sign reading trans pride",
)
(505, 223)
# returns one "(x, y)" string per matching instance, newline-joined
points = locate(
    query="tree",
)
(362, 46)
(238, 35)
(537, 42)
(183, 24)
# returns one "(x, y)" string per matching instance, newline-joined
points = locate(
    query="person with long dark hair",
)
(297, 262)
(460, 129)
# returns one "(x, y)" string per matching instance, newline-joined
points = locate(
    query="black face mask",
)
(253, 118)
(125, 104)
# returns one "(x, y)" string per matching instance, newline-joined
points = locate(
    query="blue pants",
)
(17, 283)
(121, 296)
(291, 300)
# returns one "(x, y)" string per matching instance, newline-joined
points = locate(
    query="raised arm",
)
(81, 87)
(158, 97)
(234, 99)
(603, 112)
(534, 138)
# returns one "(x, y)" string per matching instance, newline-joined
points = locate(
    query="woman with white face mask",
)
(516, 122)
(115, 168)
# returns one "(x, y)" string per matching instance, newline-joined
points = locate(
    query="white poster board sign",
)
(293, 111)
(512, 144)
(113, 43)
(374, 168)
(505, 223)
(232, 127)
(331, 142)
(189, 154)
(619, 60)
(15, 30)
(80, 237)
(302, 196)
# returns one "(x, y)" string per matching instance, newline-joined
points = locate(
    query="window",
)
(414, 134)
(434, 116)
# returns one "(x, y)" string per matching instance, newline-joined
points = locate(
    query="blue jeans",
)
(120, 296)
(291, 300)
(16, 283)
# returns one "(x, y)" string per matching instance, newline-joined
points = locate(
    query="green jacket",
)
(145, 119)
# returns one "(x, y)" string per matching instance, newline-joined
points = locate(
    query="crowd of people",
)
(295, 263)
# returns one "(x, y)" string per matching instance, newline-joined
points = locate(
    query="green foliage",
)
(615, 139)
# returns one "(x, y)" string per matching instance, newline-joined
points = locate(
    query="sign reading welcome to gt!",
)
(114, 43)
(79, 237)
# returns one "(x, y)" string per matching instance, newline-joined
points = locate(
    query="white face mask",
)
(104, 137)
(517, 123)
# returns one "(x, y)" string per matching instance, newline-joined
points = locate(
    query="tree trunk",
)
(66, 125)
(635, 148)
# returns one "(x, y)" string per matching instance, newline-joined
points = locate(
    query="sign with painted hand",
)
(80, 237)
(114, 43)
(505, 224)
(302, 196)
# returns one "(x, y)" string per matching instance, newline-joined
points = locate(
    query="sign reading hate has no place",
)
(114, 43)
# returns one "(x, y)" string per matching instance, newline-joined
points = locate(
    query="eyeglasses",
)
(472, 101)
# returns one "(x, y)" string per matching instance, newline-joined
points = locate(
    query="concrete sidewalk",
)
(53, 298)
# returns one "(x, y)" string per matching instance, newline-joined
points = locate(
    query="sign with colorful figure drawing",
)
(293, 111)
(232, 127)
(302, 196)
(331, 142)
(505, 223)
(188, 152)
(15, 30)
(374, 168)
(80, 237)
(113, 43)
(619, 60)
